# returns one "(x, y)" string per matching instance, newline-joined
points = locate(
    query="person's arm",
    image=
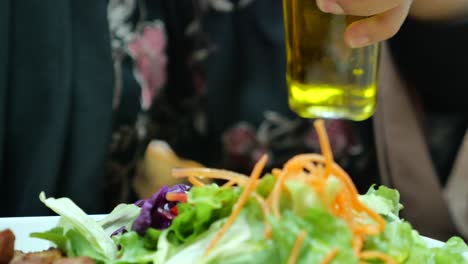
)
(436, 10)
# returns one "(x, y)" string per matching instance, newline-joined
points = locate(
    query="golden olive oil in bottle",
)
(325, 77)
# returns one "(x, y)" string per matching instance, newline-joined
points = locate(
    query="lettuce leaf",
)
(77, 233)
(196, 222)
(134, 248)
(205, 205)
(397, 241)
(241, 244)
(384, 201)
(400, 240)
(324, 233)
(265, 185)
(390, 194)
(121, 218)
(454, 251)
(302, 197)
(405, 245)
(72, 243)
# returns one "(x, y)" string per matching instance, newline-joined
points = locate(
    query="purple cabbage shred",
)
(119, 231)
(156, 210)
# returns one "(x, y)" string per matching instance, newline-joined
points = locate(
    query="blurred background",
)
(99, 100)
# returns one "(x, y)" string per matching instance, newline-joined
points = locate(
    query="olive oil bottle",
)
(325, 77)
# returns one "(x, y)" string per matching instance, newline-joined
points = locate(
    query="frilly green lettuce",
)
(207, 209)
(81, 233)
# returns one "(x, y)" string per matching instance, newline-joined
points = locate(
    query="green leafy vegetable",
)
(55, 235)
(205, 206)
(82, 230)
(454, 251)
(122, 216)
(384, 201)
(397, 241)
(302, 197)
(324, 234)
(400, 241)
(207, 209)
(133, 249)
(237, 241)
(72, 243)
(265, 185)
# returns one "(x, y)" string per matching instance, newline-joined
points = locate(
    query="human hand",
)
(381, 18)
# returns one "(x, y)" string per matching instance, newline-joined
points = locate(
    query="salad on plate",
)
(309, 211)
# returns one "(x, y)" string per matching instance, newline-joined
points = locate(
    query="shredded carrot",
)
(296, 250)
(229, 183)
(344, 177)
(311, 168)
(342, 200)
(266, 212)
(377, 255)
(316, 183)
(176, 197)
(347, 199)
(308, 158)
(330, 256)
(348, 184)
(324, 145)
(211, 174)
(195, 182)
(357, 243)
(276, 172)
(320, 170)
(314, 170)
(249, 188)
(274, 196)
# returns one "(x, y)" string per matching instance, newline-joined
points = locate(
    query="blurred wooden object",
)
(155, 170)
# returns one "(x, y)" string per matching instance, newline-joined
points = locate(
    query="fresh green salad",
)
(306, 212)
(160, 231)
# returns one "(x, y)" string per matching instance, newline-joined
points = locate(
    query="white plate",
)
(23, 226)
